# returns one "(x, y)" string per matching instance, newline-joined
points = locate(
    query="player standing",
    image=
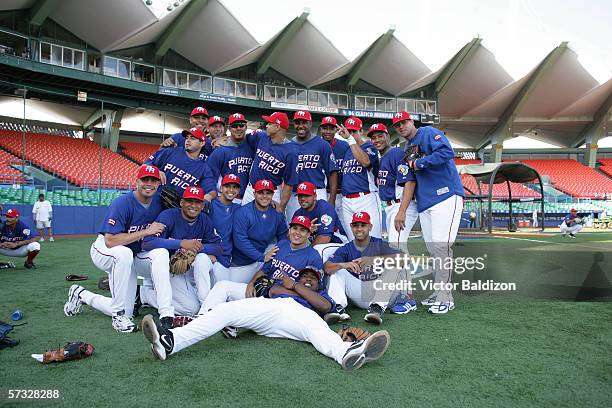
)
(328, 129)
(439, 195)
(197, 119)
(16, 239)
(393, 177)
(316, 162)
(359, 167)
(129, 219)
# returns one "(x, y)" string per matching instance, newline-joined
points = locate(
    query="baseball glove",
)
(181, 261)
(74, 350)
(578, 220)
(413, 153)
(103, 283)
(352, 333)
(170, 197)
(262, 286)
(180, 321)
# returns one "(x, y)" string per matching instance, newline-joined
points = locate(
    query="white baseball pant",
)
(570, 230)
(280, 317)
(223, 291)
(412, 214)
(440, 224)
(219, 273)
(369, 203)
(184, 294)
(22, 251)
(244, 274)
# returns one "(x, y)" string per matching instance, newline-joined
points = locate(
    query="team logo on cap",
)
(374, 126)
(302, 187)
(265, 183)
(399, 114)
(217, 118)
(359, 216)
(300, 113)
(200, 109)
(194, 190)
(232, 177)
(150, 169)
(237, 115)
(327, 119)
(301, 218)
(351, 121)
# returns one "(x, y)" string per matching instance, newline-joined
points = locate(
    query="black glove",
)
(206, 207)
(262, 286)
(170, 198)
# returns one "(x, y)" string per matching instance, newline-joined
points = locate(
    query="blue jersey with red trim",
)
(326, 215)
(232, 159)
(291, 261)
(392, 174)
(356, 178)
(316, 161)
(19, 232)
(276, 162)
(349, 252)
(223, 220)
(206, 151)
(181, 170)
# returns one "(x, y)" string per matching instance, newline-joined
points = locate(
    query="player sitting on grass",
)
(16, 239)
(291, 311)
(571, 224)
(351, 276)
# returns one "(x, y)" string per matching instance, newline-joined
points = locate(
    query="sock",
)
(31, 256)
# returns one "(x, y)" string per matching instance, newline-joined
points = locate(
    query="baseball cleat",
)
(124, 324)
(338, 315)
(166, 322)
(74, 303)
(375, 313)
(441, 307)
(430, 300)
(230, 332)
(370, 349)
(162, 340)
(572, 235)
(405, 306)
(51, 239)
(29, 265)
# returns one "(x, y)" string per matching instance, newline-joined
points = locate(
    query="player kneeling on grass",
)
(129, 219)
(189, 233)
(571, 224)
(352, 277)
(291, 311)
(16, 239)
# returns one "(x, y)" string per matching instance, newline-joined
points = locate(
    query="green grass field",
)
(526, 348)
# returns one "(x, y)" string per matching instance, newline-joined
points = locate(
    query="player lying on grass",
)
(16, 239)
(291, 312)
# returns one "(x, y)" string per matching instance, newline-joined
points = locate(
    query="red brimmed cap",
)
(200, 110)
(194, 192)
(304, 115)
(13, 213)
(377, 127)
(353, 123)
(301, 220)
(362, 217)
(329, 120)
(264, 185)
(195, 132)
(237, 117)
(230, 178)
(215, 119)
(399, 116)
(306, 188)
(147, 170)
(280, 118)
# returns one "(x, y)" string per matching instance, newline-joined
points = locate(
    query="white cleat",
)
(124, 324)
(73, 305)
(367, 350)
(441, 307)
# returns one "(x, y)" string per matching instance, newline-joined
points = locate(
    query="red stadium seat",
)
(138, 152)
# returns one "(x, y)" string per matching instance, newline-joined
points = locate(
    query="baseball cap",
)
(573, 210)
(306, 188)
(311, 269)
(195, 132)
(362, 217)
(304, 115)
(377, 127)
(301, 220)
(237, 117)
(13, 213)
(200, 110)
(215, 119)
(353, 123)
(230, 178)
(280, 118)
(147, 170)
(264, 185)
(329, 120)
(194, 192)
(399, 116)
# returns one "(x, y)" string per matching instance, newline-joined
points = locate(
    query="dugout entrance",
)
(485, 193)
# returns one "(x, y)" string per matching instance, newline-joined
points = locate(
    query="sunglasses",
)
(238, 125)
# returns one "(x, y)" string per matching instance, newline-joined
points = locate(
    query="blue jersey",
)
(20, 232)
(356, 178)
(304, 303)
(253, 231)
(276, 162)
(437, 177)
(127, 214)
(178, 228)
(339, 148)
(569, 219)
(316, 161)
(393, 173)
(181, 170)
(349, 252)
(206, 151)
(291, 261)
(232, 159)
(223, 220)
(326, 215)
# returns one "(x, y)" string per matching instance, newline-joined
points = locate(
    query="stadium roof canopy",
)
(557, 102)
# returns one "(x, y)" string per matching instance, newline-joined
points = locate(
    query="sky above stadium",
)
(520, 33)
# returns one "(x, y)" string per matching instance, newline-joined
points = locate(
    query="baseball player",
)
(222, 214)
(198, 119)
(439, 195)
(235, 156)
(256, 226)
(275, 160)
(16, 239)
(129, 219)
(393, 177)
(328, 129)
(291, 312)
(571, 224)
(352, 278)
(42, 212)
(329, 232)
(187, 228)
(316, 162)
(359, 167)
(181, 167)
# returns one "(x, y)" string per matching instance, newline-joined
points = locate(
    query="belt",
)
(355, 195)
(391, 202)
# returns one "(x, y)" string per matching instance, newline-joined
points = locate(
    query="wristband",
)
(351, 141)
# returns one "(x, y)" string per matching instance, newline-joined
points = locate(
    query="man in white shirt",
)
(41, 213)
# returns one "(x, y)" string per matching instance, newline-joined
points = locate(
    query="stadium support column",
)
(112, 126)
(497, 148)
(590, 155)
